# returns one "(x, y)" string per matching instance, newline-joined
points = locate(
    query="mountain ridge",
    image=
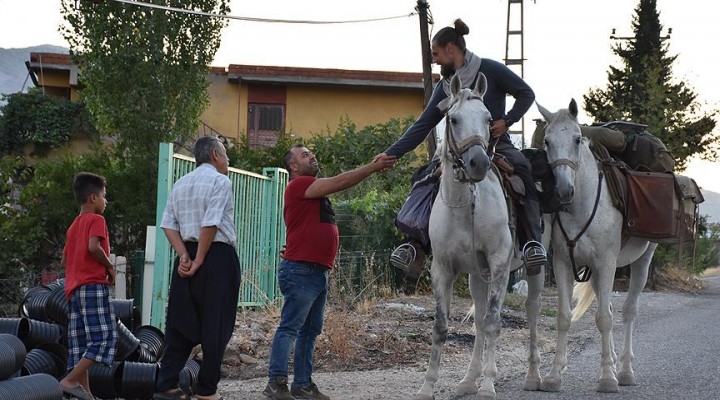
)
(711, 205)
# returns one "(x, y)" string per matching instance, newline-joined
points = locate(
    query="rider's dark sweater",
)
(501, 81)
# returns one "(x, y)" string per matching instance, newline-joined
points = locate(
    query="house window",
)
(265, 124)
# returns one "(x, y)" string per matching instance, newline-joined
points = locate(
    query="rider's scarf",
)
(467, 73)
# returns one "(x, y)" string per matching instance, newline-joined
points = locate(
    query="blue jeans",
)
(305, 288)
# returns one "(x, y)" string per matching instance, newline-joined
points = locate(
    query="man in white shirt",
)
(198, 222)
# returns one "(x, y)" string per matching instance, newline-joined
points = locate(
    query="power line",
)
(253, 19)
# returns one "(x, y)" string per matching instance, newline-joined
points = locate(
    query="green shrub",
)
(43, 120)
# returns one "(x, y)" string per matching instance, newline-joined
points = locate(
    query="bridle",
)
(583, 273)
(457, 149)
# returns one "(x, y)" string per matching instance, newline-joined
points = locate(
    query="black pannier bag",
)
(414, 216)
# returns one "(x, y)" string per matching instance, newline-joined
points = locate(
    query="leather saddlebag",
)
(661, 207)
(687, 211)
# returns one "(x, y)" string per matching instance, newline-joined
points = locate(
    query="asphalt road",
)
(677, 352)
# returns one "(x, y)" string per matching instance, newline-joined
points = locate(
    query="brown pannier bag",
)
(661, 207)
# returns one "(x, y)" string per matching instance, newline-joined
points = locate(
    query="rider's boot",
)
(534, 254)
(410, 258)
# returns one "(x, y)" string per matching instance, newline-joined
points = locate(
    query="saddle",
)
(512, 183)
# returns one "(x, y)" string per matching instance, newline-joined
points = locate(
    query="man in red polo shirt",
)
(312, 243)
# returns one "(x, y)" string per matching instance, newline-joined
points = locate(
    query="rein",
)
(584, 274)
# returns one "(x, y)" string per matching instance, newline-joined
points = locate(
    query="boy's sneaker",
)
(309, 392)
(277, 389)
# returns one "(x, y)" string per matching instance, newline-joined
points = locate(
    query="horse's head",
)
(563, 140)
(467, 131)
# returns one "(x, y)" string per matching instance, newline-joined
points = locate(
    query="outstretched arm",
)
(420, 129)
(325, 186)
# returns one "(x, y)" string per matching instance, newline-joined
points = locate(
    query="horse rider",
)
(449, 51)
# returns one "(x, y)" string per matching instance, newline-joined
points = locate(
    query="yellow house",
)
(55, 74)
(262, 101)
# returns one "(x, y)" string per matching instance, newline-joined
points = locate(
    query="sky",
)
(567, 45)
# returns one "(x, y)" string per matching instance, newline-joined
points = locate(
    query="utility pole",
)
(422, 9)
(517, 60)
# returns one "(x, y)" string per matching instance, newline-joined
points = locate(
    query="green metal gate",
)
(258, 201)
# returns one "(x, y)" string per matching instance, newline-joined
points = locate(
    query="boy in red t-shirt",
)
(88, 274)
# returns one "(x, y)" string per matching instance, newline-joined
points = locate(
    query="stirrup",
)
(534, 256)
(403, 256)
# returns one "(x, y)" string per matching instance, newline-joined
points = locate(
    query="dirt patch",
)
(386, 334)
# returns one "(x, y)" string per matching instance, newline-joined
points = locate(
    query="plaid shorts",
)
(92, 332)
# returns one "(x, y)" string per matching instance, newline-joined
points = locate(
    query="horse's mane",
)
(463, 95)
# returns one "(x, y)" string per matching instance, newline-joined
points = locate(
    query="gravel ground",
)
(381, 350)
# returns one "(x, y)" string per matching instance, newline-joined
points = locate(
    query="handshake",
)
(382, 162)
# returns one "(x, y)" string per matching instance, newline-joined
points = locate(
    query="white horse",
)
(588, 233)
(470, 234)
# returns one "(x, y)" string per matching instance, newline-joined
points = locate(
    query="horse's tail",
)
(584, 294)
(467, 317)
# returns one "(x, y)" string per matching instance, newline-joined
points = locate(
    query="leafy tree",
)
(642, 90)
(144, 69)
(144, 76)
(43, 120)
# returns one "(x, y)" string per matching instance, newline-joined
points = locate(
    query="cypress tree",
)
(643, 90)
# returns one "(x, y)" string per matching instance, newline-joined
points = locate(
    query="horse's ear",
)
(573, 108)
(455, 85)
(481, 85)
(547, 115)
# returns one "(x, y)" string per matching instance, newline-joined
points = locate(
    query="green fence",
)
(258, 220)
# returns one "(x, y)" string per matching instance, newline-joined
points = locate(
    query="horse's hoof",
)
(485, 395)
(532, 385)
(465, 389)
(626, 379)
(550, 385)
(608, 385)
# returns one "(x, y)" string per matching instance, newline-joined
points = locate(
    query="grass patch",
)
(548, 312)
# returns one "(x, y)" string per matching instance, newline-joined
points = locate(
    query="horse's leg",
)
(479, 292)
(498, 288)
(564, 280)
(638, 278)
(532, 309)
(602, 281)
(442, 282)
